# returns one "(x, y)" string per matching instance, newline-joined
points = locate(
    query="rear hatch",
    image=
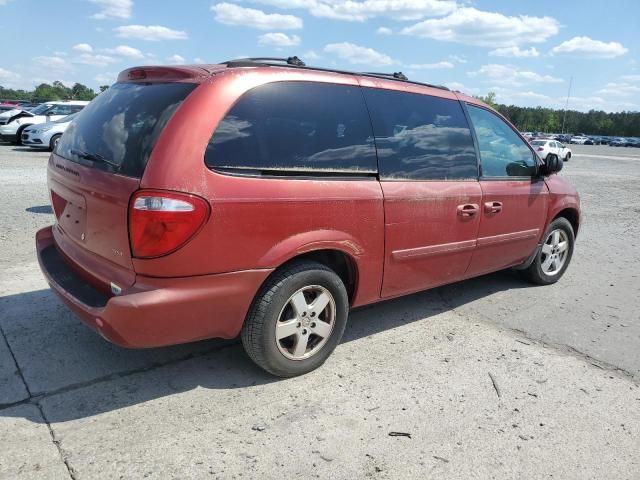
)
(96, 167)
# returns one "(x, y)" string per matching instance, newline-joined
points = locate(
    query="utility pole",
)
(566, 105)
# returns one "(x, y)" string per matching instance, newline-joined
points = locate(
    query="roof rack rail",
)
(240, 62)
(396, 75)
(297, 63)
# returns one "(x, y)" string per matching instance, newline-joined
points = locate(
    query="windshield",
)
(66, 119)
(41, 108)
(117, 131)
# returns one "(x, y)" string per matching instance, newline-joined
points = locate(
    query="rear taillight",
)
(161, 222)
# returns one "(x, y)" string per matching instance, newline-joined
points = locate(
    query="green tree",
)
(103, 88)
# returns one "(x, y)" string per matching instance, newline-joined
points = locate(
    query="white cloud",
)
(7, 76)
(621, 89)
(176, 59)
(631, 78)
(125, 51)
(384, 31)
(485, 29)
(585, 46)
(457, 59)
(515, 52)
(232, 14)
(113, 9)
(52, 63)
(360, 11)
(461, 87)
(430, 66)
(106, 78)
(510, 75)
(95, 60)
(83, 47)
(198, 60)
(310, 55)
(358, 55)
(277, 39)
(150, 32)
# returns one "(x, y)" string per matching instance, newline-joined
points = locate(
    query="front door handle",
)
(493, 207)
(468, 209)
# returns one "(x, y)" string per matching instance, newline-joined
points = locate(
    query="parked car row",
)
(582, 139)
(16, 125)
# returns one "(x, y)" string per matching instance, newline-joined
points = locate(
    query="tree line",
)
(46, 92)
(593, 122)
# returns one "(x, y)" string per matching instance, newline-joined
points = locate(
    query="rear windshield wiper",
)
(94, 157)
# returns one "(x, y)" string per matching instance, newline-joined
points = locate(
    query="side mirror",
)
(552, 165)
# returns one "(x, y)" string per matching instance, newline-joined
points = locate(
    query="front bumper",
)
(31, 139)
(154, 312)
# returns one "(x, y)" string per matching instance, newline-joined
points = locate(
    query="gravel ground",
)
(491, 377)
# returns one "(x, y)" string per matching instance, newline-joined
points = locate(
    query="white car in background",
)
(11, 126)
(545, 148)
(579, 139)
(46, 135)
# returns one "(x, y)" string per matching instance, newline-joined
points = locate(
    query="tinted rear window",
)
(420, 137)
(117, 131)
(295, 128)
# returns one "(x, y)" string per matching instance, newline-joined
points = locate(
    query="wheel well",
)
(572, 216)
(341, 263)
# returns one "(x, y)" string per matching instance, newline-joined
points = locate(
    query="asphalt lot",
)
(492, 377)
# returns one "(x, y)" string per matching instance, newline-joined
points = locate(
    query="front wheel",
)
(296, 320)
(567, 157)
(555, 254)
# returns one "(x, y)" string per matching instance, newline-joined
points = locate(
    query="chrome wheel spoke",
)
(286, 329)
(546, 265)
(300, 346)
(299, 303)
(562, 246)
(322, 329)
(555, 238)
(320, 303)
(546, 249)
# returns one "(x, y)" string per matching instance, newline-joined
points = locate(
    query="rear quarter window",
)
(295, 128)
(117, 131)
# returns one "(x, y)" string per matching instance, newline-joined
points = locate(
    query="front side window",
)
(502, 152)
(295, 128)
(420, 137)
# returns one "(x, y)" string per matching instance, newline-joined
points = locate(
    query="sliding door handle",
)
(468, 209)
(493, 207)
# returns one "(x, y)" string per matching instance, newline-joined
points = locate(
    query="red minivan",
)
(264, 198)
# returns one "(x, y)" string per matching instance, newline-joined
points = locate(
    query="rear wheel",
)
(296, 320)
(567, 157)
(555, 254)
(53, 143)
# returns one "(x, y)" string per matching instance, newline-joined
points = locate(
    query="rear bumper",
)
(154, 312)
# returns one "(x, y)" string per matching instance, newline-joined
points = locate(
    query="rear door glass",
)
(117, 131)
(421, 137)
(295, 128)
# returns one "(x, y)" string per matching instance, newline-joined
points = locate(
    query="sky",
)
(527, 52)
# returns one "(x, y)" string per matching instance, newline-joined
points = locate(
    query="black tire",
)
(18, 140)
(259, 330)
(535, 273)
(54, 141)
(567, 157)
(551, 155)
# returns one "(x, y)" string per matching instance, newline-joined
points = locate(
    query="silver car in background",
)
(46, 135)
